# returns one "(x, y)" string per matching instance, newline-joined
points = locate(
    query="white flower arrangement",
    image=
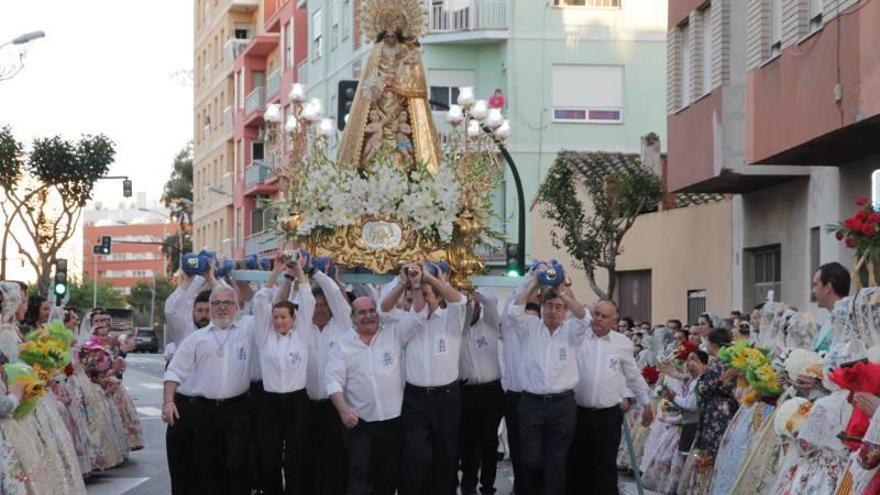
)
(803, 362)
(335, 197)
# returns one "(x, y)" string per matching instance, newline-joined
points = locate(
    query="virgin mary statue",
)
(390, 112)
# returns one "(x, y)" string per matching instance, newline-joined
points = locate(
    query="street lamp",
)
(7, 72)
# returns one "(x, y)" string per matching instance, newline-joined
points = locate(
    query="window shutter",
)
(673, 70)
(757, 32)
(794, 21)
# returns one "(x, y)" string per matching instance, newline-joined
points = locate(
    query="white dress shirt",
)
(283, 358)
(321, 339)
(688, 402)
(432, 356)
(607, 369)
(549, 359)
(179, 310)
(370, 376)
(201, 371)
(479, 353)
(511, 377)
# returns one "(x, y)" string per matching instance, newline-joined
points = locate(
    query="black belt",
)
(600, 410)
(492, 384)
(549, 397)
(443, 389)
(213, 402)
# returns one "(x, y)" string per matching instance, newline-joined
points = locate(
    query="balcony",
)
(255, 175)
(228, 123)
(262, 242)
(209, 74)
(273, 84)
(244, 6)
(232, 49)
(467, 20)
(255, 100)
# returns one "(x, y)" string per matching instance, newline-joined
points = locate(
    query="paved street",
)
(146, 471)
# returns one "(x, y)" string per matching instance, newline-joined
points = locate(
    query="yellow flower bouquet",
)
(34, 387)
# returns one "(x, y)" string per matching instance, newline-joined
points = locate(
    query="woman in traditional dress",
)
(715, 392)
(390, 110)
(48, 458)
(97, 359)
(862, 476)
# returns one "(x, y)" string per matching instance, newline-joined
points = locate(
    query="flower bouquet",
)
(47, 349)
(684, 350)
(860, 232)
(651, 375)
(34, 387)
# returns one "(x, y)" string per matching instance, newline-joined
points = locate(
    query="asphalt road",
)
(146, 471)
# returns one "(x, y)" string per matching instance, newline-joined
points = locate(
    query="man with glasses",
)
(210, 373)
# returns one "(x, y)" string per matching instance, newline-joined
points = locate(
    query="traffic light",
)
(347, 89)
(105, 244)
(60, 285)
(511, 262)
(126, 188)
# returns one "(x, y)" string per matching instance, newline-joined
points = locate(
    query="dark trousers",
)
(373, 457)
(326, 469)
(511, 420)
(430, 436)
(284, 423)
(546, 429)
(481, 409)
(256, 391)
(592, 459)
(222, 440)
(178, 447)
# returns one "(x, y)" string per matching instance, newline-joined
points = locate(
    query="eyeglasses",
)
(222, 303)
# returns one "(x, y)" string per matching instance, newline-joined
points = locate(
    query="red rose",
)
(850, 223)
(862, 200)
(650, 374)
(839, 235)
(862, 215)
(869, 229)
(850, 242)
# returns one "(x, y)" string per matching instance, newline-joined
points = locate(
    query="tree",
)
(173, 250)
(141, 301)
(178, 195)
(618, 189)
(45, 191)
(108, 297)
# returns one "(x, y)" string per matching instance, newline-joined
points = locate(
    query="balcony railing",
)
(450, 16)
(255, 100)
(302, 74)
(233, 48)
(261, 242)
(227, 119)
(256, 174)
(273, 84)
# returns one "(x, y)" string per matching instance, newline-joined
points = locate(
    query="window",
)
(287, 34)
(875, 189)
(334, 27)
(815, 255)
(684, 34)
(609, 4)
(588, 93)
(706, 59)
(696, 305)
(317, 34)
(763, 274)
(346, 28)
(445, 95)
(815, 14)
(634, 294)
(775, 27)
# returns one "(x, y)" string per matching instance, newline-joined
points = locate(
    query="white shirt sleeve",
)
(688, 401)
(455, 316)
(183, 362)
(635, 382)
(489, 309)
(335, 370)
(306, 307)
(178, 309)
(411, 324)
(262, 315)
(578, 328)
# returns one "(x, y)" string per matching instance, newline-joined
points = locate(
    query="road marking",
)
(153, 386)
(149, 411)
(99, 485)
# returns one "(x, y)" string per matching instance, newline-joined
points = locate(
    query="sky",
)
(105, 66)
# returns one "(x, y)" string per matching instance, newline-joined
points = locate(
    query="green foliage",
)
(618, 189)
(72, 167)
(11, 158)
(171, 249)
(180, 187)
(141, 298)
(108, 297)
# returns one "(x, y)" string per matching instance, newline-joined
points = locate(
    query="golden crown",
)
(404, 16)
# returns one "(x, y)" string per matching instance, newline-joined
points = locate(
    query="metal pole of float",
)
(627, 437)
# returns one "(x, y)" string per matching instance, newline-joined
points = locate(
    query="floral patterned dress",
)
(717, 407)
(736, 444)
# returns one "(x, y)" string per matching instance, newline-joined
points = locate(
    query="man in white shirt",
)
(187, 309)
(511, 381)
(607, 370)
(211, 373)
(549, 357)
(325, 472)
(431, 399)
(482, 398)
(365, 383)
